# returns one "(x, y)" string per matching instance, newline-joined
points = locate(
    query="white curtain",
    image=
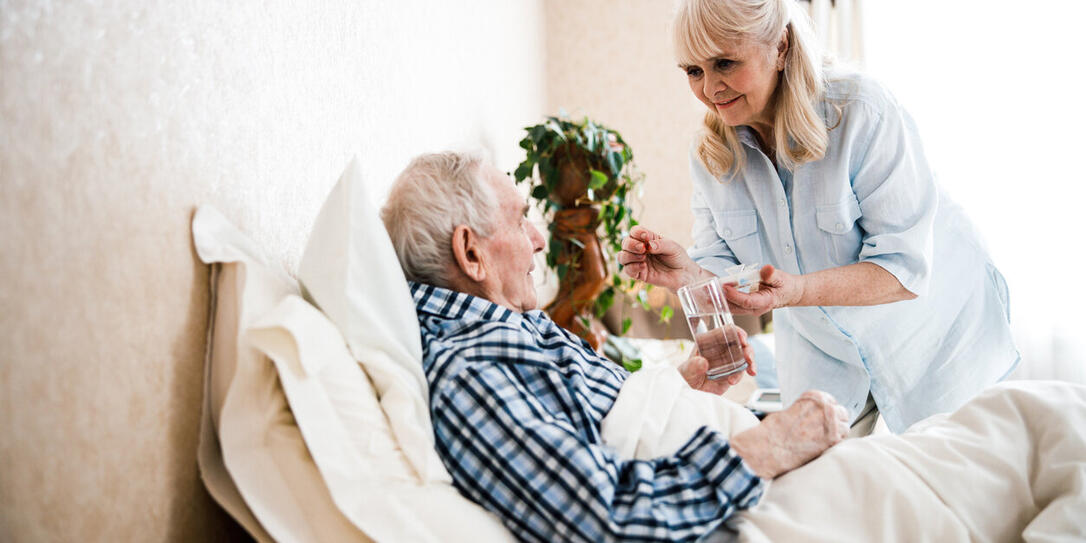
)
(839, 25)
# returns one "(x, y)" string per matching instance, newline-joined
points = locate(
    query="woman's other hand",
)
(647, 256)
(777, 289)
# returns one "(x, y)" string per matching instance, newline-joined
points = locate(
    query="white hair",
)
(432, 196)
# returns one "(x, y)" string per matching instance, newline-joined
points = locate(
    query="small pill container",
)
(746, 277)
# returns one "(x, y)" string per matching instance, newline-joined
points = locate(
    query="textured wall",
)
(613, 61)
(116, 119)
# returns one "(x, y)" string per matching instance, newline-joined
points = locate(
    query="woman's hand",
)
(649, 257)
(777, 289)
(695, 368)
(863, 283)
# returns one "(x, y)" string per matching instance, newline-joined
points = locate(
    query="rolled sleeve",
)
(898, 200)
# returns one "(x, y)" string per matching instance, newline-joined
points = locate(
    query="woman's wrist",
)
(694, 273)
(799, 283)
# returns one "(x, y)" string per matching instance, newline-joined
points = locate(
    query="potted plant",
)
(583, 177)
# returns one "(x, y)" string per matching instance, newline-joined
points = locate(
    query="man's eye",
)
(723, 64)
(693, 72)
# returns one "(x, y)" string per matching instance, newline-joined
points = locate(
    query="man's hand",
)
(788, 439)
(695, 368)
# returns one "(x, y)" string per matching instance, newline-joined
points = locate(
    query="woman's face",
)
(738, 85)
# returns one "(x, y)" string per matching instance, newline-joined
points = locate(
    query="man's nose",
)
(536, 237)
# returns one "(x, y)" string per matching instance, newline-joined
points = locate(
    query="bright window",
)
(997, 91)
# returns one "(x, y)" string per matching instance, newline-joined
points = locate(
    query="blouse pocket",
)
(738, 229)
(842, 236)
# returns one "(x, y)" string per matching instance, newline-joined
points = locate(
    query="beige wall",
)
(116, 119)
(613, 61)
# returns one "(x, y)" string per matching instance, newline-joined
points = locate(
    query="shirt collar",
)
(746, 136)
(450, 304)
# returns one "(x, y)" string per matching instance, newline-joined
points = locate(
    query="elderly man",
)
(517, 401)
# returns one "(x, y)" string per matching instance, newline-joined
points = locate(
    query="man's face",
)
(510, 248)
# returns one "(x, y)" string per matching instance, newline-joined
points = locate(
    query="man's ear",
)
(468, 253)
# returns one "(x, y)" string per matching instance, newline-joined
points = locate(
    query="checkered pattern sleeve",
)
(516, 441)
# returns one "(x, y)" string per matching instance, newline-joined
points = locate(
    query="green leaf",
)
(550, 177)
(524, 171)
(599, 179)
(626, 323)
(556, 127)
(643, 299)
(631, 365)
(540, 192)
(604, 301)
(666, 313)
(537, 133)
(614, 160)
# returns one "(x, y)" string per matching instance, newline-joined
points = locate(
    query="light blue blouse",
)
(872, 198)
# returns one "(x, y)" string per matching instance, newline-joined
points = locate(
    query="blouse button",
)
(840, 227)
(780, 202)
(787, 249)
(727, 232)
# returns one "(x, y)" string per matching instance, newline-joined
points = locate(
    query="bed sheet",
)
(1010, 465)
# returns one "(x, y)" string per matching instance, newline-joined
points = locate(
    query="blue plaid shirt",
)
(517, 402)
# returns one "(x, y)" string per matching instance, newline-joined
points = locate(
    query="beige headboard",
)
(116, 120)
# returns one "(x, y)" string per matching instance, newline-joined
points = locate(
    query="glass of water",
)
(713, 328)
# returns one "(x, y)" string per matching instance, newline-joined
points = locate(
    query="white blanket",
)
(1008, 466)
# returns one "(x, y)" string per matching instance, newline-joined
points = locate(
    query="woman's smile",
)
(727, 103)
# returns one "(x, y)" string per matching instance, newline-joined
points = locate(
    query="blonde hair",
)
(799, 132)
(430, 198)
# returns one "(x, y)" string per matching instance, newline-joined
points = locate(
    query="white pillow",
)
(350, 438)
(350, 271)
(263, 458)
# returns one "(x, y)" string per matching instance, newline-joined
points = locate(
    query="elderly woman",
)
(884, 294)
